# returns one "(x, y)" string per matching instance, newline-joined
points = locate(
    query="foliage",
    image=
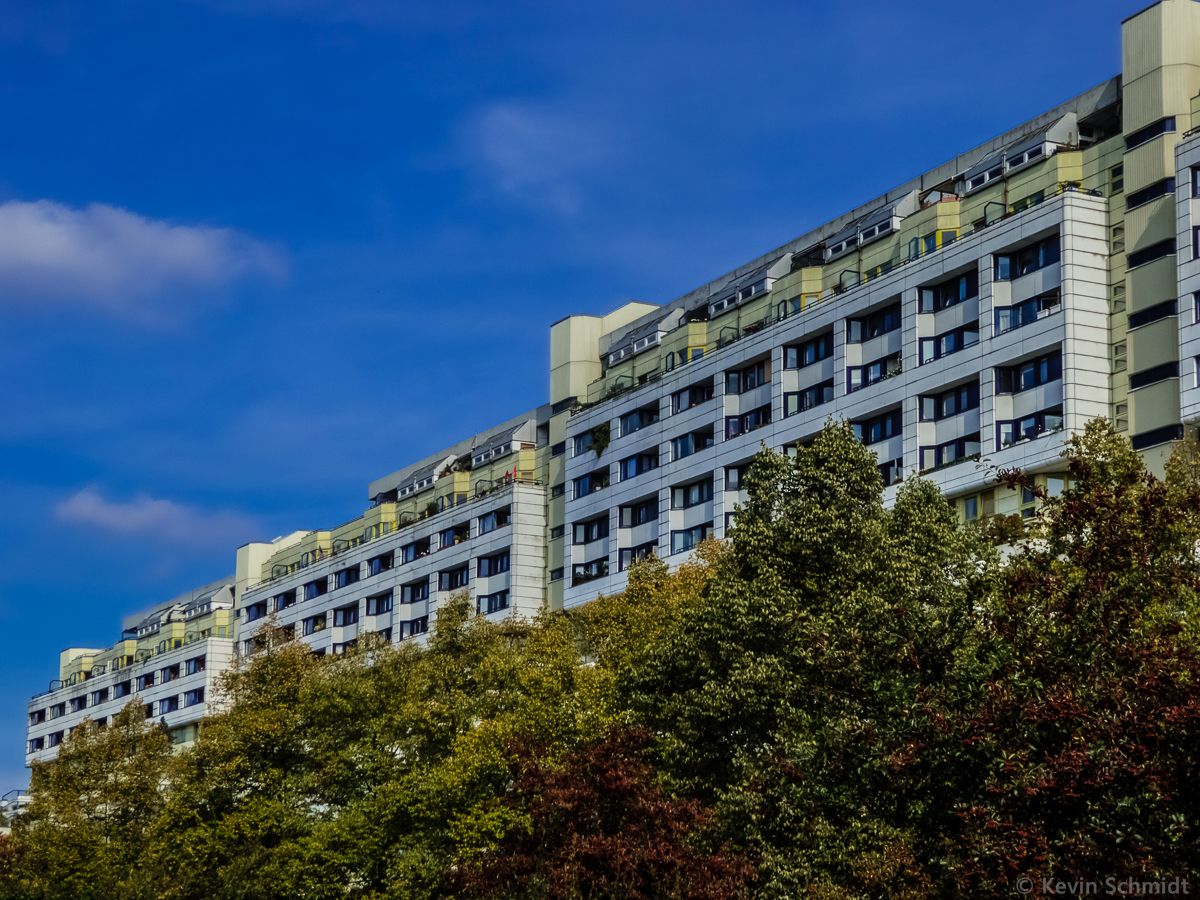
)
(601, 437)
(846, 701)
(598, 826)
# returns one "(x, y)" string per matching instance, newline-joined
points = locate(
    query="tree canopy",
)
(841, 700)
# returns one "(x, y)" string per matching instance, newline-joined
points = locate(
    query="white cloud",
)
(161, 521)
(539, 156)
(115, 260)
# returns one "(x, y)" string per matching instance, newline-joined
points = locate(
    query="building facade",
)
(974, 317)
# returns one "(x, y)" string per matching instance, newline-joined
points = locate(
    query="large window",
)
(949, 403)
(490, 603)
(381, 603)
(583, 443)
(194, 666)
(638, 419)
(256, 611)
(193, 697)
(415, 550)
(809, 352)
(687, 538)
(1028, 259)
(1150, 132)
(1152, 192)
(1152, 314)
(949, 293)
(457, 534)
(344, 577)
(379, 564)
(582, 572)
(1153, 375)
(632, 466)
(313, 624)
(627, 556)
(1153, 252)
(415, 592)
(1010, 317)
(590, 483)
(746, 422)
(950, 342)
(345, 615)
(592, 530)
(735, 477)
(873, 325)
(1029, 427)
(800, 401)
(284, 600)
(691, 396)
(1030, 374)
(747, 379)
(494, 564)
(947, 454)
(638, 513)
(858, 377)
(690, 443)
(497, 518)
(879, 428)
(688, 495)
(453, 579)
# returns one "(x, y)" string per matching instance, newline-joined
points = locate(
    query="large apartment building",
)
(982, 312)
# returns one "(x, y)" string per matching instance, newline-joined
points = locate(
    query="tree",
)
(597, 826)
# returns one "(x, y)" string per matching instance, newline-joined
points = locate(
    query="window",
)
(170, 673)
(453, 579)
(487, 604)
(801, 401)
(947, 454)
(689, 495)
(879, 428)
(457, 534)
(949, 293)
(1156, 436)
(747, 379)
(1031, 374)
(582, 443)
(859, 377)
(194, 666)
(1153, 375)
(558, 449)
(414, 551)
(1116, 179)
(1029, 427)
(590, 483)
(168, 705)
(1118, 239)
(377, 565)
(192, 697)
(1196, 181)
(584, 572)
(37, 744)
(1010, 317)
(37, 717)
(285, 600)
(809, 352)
(1154, 251)
(98, 697)
(381, 603)
(77, 703)
(892, 471)
(638, 419)
(1153, 314)
(339, 649)
(1026, 202)
(1028, 259)
(594, 530)
(1150, 132)
(60, 709)
(685, 540)
(627, 556)
(694, 442)
(1120, 357)
(345, 615)
(415, 592)
(746, 422)
(496, 519)
(256, 611)
(344, 577)
(638, 513)
(949, 403)
(557, 574)
(493, 565)
(735, 477)
(145, 681)
(315, 589)
(557, 531)
(873, 325)
(313, 624)
(635, 465)
(417, 626)
(935, 348)
(121, 689)
(558, 490)
(1121, 417)
(690, 397)
(1153, 192)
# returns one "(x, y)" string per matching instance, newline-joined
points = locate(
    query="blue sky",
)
(257, 253)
